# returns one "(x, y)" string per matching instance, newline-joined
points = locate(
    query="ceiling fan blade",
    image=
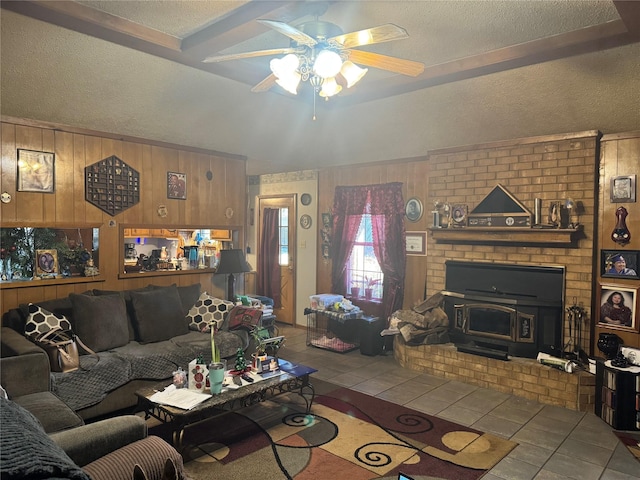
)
(293, 33)
(384, 62)
(379, 34)
(255, 53)
(265, 84)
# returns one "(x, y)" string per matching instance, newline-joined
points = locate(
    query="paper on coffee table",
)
(179, 397)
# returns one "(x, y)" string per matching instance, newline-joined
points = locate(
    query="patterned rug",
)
(631, 440)
(347, 435)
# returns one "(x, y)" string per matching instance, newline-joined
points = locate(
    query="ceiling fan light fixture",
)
(327, 64)
(289, 81)
(352, 73)
(281, 67)
(330, 88)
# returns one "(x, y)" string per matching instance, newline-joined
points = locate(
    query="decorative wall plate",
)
(305, 221)
(305, 199)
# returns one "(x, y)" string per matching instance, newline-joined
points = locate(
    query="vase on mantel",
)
(609, 344)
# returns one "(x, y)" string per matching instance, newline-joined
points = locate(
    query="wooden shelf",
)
(515, 235)
(45, 282)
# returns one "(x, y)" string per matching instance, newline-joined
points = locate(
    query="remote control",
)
(247, 378)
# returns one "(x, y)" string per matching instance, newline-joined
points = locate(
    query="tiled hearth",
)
(522, 377)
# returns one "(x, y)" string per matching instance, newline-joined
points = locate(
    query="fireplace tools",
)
(576, 316)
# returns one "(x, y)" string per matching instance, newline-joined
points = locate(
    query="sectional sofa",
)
(140, 336)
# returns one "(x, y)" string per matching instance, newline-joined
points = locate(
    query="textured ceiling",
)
(90, 79)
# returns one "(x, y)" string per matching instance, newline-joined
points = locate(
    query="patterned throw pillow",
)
(206, 310)
(41, 321)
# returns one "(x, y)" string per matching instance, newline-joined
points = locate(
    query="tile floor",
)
(554, 443)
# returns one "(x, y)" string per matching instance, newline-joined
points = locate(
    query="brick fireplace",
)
(552, 168)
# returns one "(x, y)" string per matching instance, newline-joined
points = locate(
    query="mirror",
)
(172, 249)
(28, 252)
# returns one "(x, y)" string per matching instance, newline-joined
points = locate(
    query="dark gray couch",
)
(156, 341)
(107, 449)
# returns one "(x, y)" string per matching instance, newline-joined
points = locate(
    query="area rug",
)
(347, 435)
(631, 440)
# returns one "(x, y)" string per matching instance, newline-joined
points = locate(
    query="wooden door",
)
(286, 204)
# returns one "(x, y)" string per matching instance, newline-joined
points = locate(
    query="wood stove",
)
(499, 310)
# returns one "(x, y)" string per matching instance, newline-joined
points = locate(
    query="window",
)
(283, 235)
(363, 269)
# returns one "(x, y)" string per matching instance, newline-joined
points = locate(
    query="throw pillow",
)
(158, 314)
(100, 322)
(40, 321)
(206, 310)
(244, 317)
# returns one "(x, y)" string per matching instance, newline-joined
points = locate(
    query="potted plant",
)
(369, 283)
(260, 354)
(355, 289)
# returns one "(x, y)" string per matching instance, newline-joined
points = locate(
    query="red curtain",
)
(268, 282)
(385, 204)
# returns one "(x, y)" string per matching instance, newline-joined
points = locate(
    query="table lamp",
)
(232, 262)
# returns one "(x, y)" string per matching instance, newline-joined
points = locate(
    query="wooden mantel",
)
(505, 235)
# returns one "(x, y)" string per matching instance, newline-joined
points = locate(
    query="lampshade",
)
(327, 64)
(232, 261)
(330, 87)
(290, 82)
(352, 73)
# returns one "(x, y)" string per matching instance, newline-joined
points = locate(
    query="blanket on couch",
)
(153, 361)
(26, 451)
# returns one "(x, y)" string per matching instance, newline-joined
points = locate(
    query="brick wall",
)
(552, 168)
(520, 376)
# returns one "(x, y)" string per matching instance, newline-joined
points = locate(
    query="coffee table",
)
(294, 378)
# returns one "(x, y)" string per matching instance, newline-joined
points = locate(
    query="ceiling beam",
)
(585, 40)
(240, 25)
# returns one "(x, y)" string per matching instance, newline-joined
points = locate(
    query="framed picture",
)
(620, 264)
(416, 243)
(177, 185)
(36, 171)
(459, 215)
(623, 189)
(46, 263)
(618, 307)
(413, 209)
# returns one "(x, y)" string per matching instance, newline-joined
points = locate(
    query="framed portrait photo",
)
(619, 264)
(618, 307)
(46, 263)
(623, 189)
(413, 209)
(416, 243)
(177, 185)
(36, 171)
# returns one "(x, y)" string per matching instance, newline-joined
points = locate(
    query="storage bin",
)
(370, 340)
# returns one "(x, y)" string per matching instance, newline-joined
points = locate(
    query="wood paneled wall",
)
(620, 155)
(552, 168)
(75, 149)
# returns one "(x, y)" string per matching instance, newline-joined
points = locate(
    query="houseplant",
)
(369, 283)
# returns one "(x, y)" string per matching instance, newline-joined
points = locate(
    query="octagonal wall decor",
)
(112, 185)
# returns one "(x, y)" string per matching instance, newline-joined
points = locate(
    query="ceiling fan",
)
(323, 55)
